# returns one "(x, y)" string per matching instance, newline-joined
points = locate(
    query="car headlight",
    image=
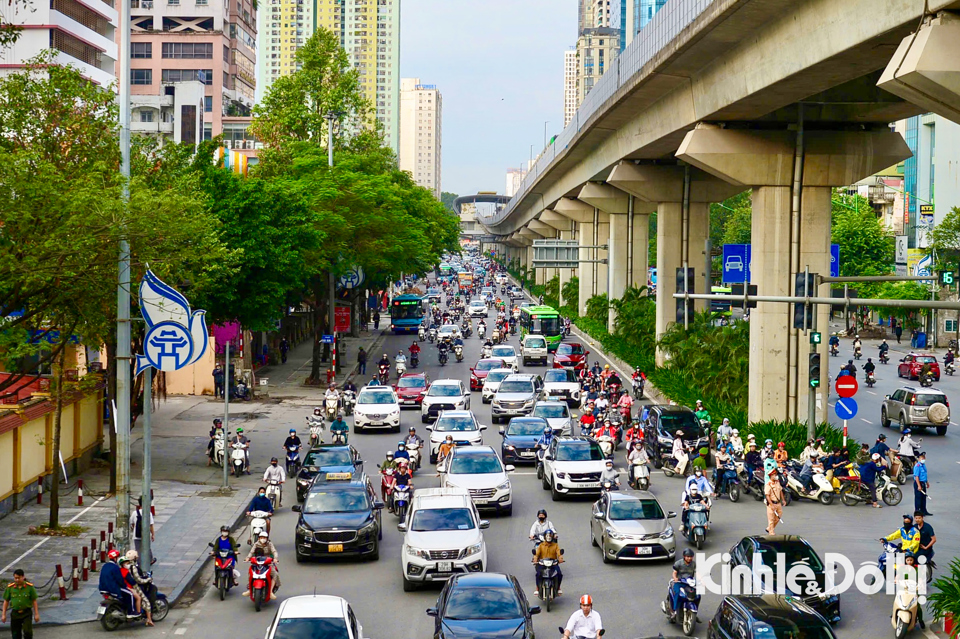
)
(303, 482)
(561, 475)
(511, 447)
(305, 532)
(668, 533)
(474, 549)
(418, 552)
(504, 486)
(528, 403)
(665, 440)
(395, 411)
(369, 529)
(613, 534)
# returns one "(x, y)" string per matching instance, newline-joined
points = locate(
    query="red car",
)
(570, 355)
(910, 366)
(411, 388)
(479, 371)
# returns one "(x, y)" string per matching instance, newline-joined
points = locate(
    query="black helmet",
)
(273, 460)
(225, 529)
(217, 421)
(687, 552)
(542, 512)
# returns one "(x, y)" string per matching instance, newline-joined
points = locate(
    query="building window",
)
(207, 130)
(226, 53)
(186, 75)
(141, 50)
(187, 50)
(208, 104)
(141, 76)
(146, 116)
(950, 326)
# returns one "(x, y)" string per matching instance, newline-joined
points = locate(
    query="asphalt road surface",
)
(627, 596)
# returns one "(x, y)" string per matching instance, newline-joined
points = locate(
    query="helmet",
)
(225, 529)
(547, 430)
(389, 454)
(694, 490)
(735, 430)
(679, 433)
(239, 431)
(813, 454)
(113, 555)
(131, 555)
(316, 411)
(699, 402)
(273, 460)
(333, 386)
(609, 462)
(781, 445)
(875, 456)
(586, 600)
(688, 552)
(606, 367)
(881, 437)
(857, 336)
(752, 443)
(401, 446)
(849, 361)
(403, 461)
(751, 436)
(293, 431)
(124, 560)
(542, 512)
(908, 516)
(548, 534)
(906, 431)
(264, 534)
(412, 429)
(217, 422)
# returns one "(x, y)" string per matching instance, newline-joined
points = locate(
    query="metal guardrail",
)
(665, 26)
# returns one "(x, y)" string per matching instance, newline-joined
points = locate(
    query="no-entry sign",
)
(846, 386)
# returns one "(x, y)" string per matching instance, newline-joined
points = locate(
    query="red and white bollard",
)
(75, 574)
(79, 492)
(109, 538)
(85, 574)
(103, 546)
(40, 490)
(93, 555)
(60, 584)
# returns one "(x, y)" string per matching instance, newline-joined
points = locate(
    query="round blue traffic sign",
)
(846, 408)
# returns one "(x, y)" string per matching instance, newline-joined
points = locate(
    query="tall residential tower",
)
(598, 43)
(570, 101)
(421, 124)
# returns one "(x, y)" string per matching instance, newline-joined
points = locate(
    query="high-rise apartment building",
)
(598, 43)
(369, 32)
(514, 180)
(81, 33)
(630, 16)
(180, 48)
(570, 101)
(421, 125)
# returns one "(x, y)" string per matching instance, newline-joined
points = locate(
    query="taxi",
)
(325, 459)
(341, 516)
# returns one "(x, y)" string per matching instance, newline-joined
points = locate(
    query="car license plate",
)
(408, 401)
(101, 610)
(481, 502)
(335, 548)
(644, 550)
(445, 566)
(526, 453)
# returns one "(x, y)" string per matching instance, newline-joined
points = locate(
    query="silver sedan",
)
(631, 526)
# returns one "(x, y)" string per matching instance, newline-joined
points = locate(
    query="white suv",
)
(444, 394)
(534, 347)
(461, 424)
(508, 354)
(377, 407)
(492, 382)
(441, 537)
(478, 308)
(480, 471)
(572, 465)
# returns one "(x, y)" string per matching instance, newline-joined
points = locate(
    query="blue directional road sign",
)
(846, 408)
(326, 339)
(834, 260)
(736, 263)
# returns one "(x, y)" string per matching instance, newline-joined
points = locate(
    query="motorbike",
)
(638, 384)
(689, 602)
(113, 615)
(316, 426)
(853, 491)
(834, 350)
(495, 336)
(884, 358)
(639, 476)
(384, 374)
(261, 581)
(482, 331)
(950, 368)
(486, 351)
(401, 368)
(730, 480)
(238, 458)
(273, 493)
(331, 406)
(293, 460)
(421, 334)
(548, 578)
(458, 351)
(857, 353)
(219, 444)
(905, 605)
(607, 444)
(401, 499)
(669, 467)
(414, 450)
(432, 335)
(822, 488)
(258, 524)
(414, 360)
(871, 379)
(698, 522)
(224, 562)
(443, 358)
(926, 380)
(388, 484)
(349, 401)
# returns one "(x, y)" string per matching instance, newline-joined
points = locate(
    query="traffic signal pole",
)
(814, 372)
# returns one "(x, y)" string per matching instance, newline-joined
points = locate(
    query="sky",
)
(499, 67)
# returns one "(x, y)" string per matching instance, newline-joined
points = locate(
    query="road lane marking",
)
(865, 419)
(871, 392)
(180, 631)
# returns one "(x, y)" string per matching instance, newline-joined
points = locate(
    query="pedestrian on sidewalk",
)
(217, 382)
(898, 331)
(362, 361)
(136, 525)
(376, 319)
(773, 492)
(920, 484)
(19, 598)
(284, 348)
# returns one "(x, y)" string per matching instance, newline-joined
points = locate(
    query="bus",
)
(719, 307)
(542, 320)
(406, 314)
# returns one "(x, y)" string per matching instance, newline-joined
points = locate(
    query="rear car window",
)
(929, 399)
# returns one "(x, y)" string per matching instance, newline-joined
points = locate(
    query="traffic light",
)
(736, 290)
(947, 278)
(689, 289)
(814, 370)
(803, 288)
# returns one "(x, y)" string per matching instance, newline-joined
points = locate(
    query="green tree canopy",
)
(866, 246)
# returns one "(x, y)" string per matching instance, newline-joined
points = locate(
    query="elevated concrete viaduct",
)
(717, 96)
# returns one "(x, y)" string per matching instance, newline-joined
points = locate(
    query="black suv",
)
(766, 617)
(339, 517)
(796, 551)
(661, 428)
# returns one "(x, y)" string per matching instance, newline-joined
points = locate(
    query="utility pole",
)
(145, 491)
(330, 117)
(122, 454)
(227, 460)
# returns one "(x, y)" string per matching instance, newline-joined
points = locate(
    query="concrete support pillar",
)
(786, 239)
(565, 273)
(669, 225)
(617, 271)
(581, 214)
(602, 235)
(641, 250)
(587, 269)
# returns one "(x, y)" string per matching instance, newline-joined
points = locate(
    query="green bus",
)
(719, 307)
(542, 320)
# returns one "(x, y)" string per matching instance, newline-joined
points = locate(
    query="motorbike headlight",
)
(474, 549)
(668, 533)
(418, 552)
(613, 534)
(504, 486)
(305, 532)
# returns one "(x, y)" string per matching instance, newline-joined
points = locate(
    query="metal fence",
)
(665, 26)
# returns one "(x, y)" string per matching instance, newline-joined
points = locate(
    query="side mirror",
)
(471, 370)
(428, 427)
(296, 508)
(501, 430)
(671, 515)
(510, 468)
(597, 514)
(432, 612)
(484, 524)
(585, 353)
(561, 551)
(378, 505)
(402, 528)
(533, 551)
(534, 610)
(210, 544)
(886, 397)
(482, 427)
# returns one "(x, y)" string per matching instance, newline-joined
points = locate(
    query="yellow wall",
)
(33, 449)
(91, 429)
(6, 464)
(66, 431)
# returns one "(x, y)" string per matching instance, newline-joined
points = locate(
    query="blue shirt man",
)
(546, 438)
(340, 426)
(260, 502)
(401, 452)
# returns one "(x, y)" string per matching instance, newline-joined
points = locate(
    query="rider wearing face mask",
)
(541, 525)
(549, 549)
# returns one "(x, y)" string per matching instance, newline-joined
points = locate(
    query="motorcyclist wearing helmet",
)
(549, 549)
(265, 548)
(544, 441)
(679, 453)
(112, 581)
(340, 427)
(414, 350)
(781, 455)
(350, 386)
(443, 453)
(404, 475)
(292, 440)
(400, 358)
(636, 457)
(384, 361)
(413, 440)
(906, 573)
(215, 431)
(227, 542)
(684, 568)
(275, 473)
(541, 525)
(142, 583)
(332, 393)
(869, 367)
(401, 451)
(701, 412)
(261, 503)
(907, 447)
(609, 473)
(907, 535)
(241, 439)
(849, 369)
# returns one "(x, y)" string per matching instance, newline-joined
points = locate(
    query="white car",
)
(451, 331)
(462, 424)
(377, 407)
(492, 382)
(480, 471)
(517, 395)
(534, 347)
(478, 309)
(444, 394)
(501, 278)
(508, 354)
(315, 615)
(572, 465)
(441, 537)
(557, 415)
(560, 384)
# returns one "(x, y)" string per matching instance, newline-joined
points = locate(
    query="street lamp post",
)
(545, 133)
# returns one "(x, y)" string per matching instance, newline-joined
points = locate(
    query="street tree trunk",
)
(321, 352)
(58, 416)
(111, 395)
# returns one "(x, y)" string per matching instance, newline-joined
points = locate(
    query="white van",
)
(534, 347)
